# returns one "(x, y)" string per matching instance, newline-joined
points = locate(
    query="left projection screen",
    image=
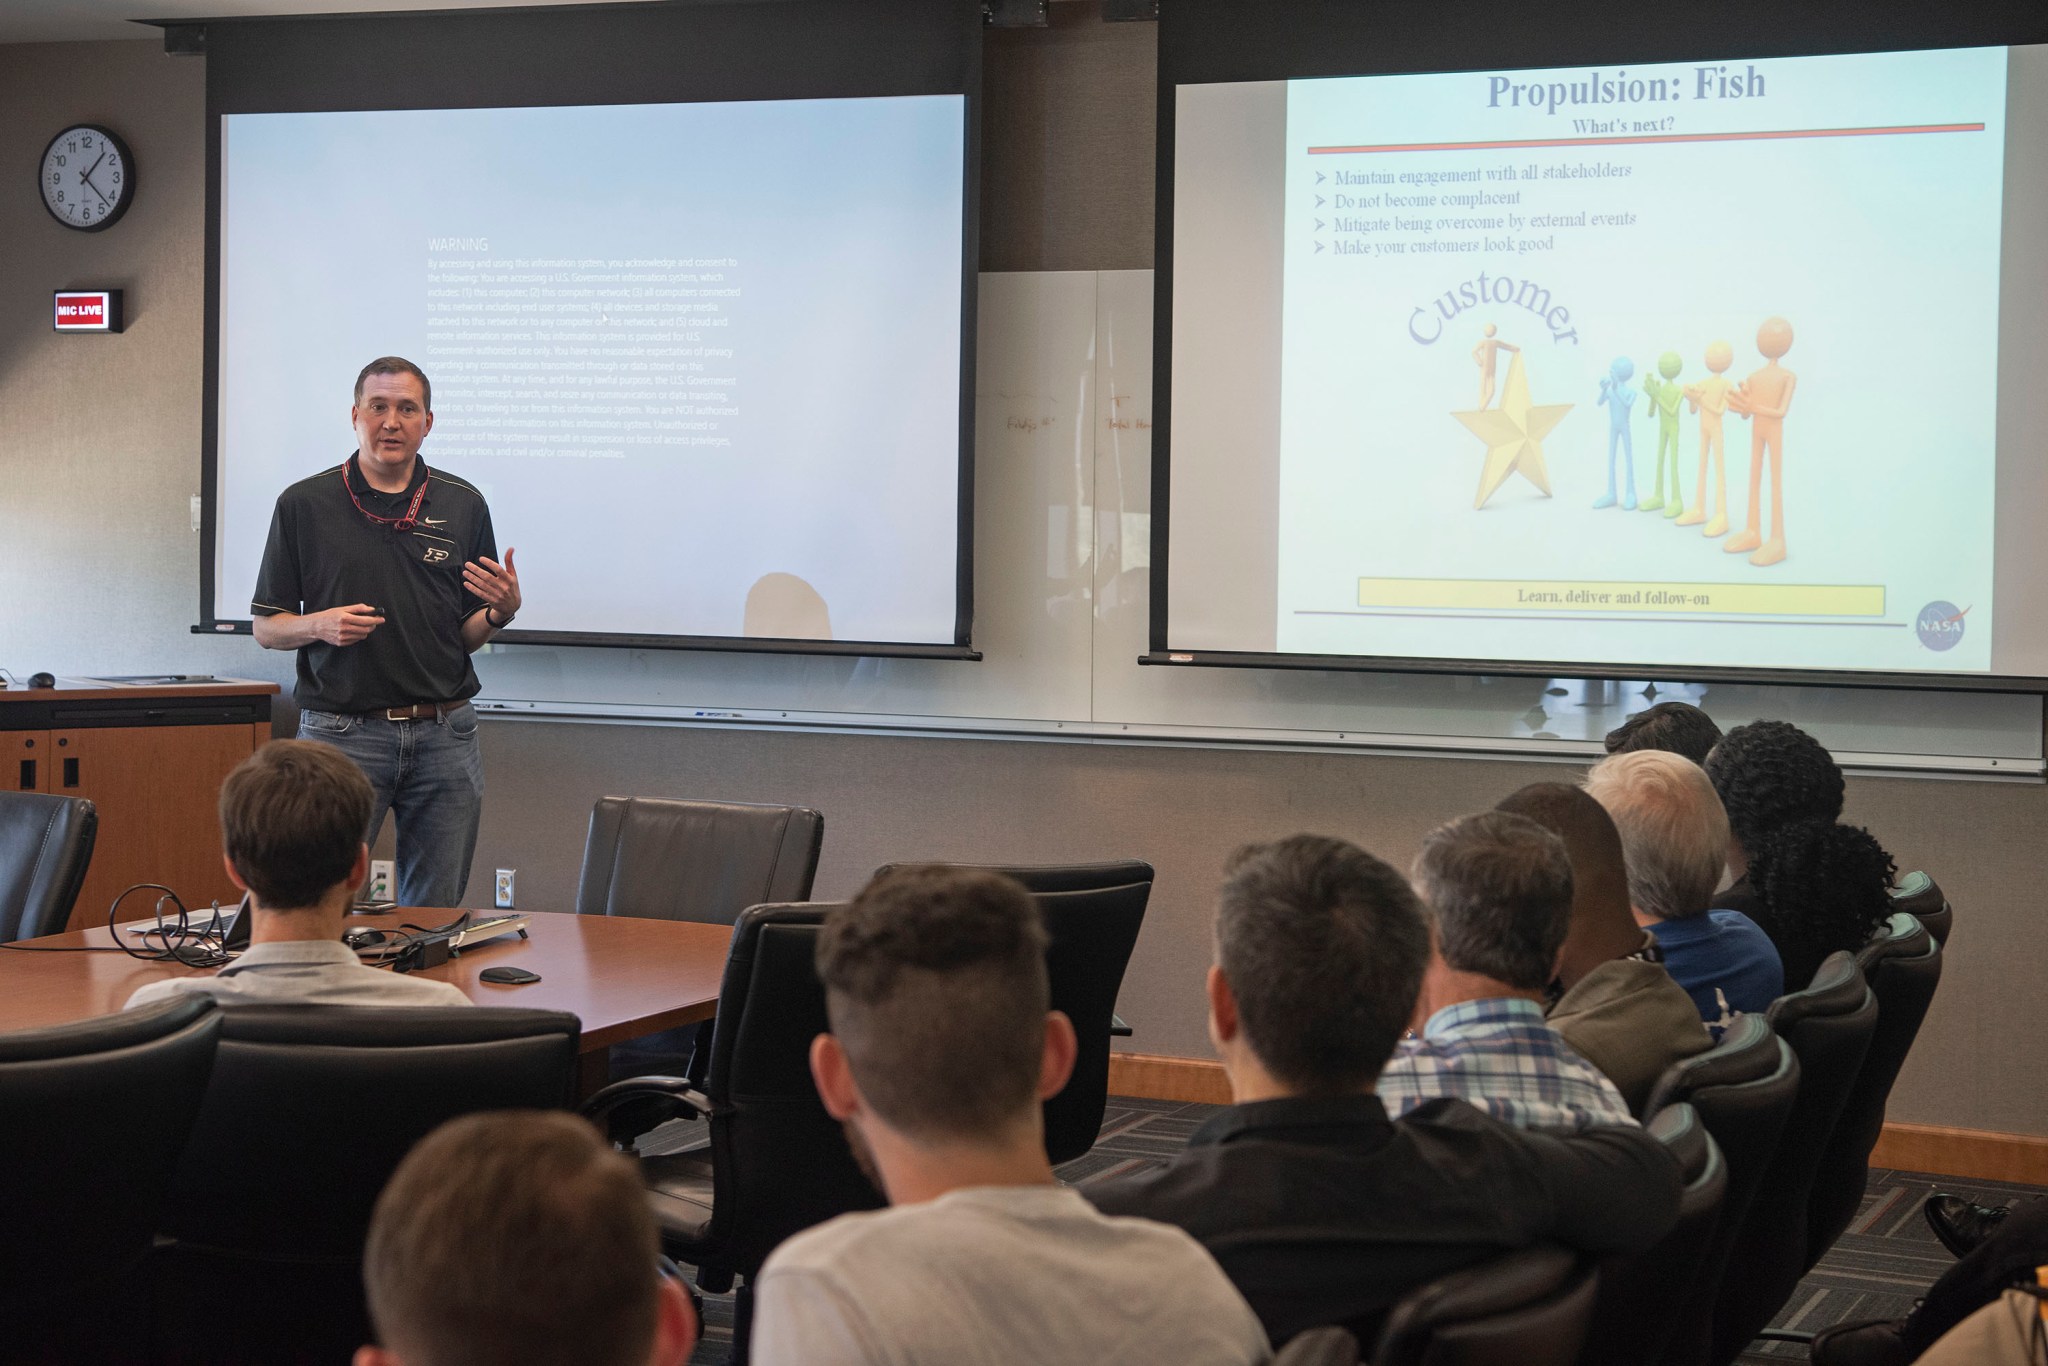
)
(704, 360)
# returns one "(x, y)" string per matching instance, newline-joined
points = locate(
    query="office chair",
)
(1093, 912)
(97, 1113)
(774, 1162)
(662, 859)
(45, 848)
(1743, 1089)
(1641, 1296)
(1921, 897)
(1527, 1308)
(310, 1109)
(1902, 964)
(1829, 1026)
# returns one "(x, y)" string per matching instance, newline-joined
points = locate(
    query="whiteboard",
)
(1063, 463)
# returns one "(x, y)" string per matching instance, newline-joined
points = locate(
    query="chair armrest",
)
(1118, 1029)
(676, 1091)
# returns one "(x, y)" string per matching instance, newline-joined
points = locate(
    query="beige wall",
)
(99, 453)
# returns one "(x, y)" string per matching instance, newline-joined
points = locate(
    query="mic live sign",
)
(88, 310)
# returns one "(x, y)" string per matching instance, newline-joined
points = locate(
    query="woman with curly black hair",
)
(1813, 884)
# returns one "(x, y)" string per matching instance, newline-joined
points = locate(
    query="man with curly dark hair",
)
(1812, 883)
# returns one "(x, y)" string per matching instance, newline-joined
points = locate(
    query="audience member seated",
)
(1678, 727)
(941, 1050)
(1499, 887)
(1612, 1000)
(1321, 1208)
(292, 817)
(1674, 841)
(2016, 1246)
(1812, 884)
(519, 1236)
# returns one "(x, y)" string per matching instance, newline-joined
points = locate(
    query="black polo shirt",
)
(324, 553)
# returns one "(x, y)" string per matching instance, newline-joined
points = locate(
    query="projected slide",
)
(1678, 364)
(703, 359)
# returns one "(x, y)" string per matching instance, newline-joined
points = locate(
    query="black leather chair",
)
(775, 1162)
(1829, 1026)
(96, 1115)
(1527, 1308)
(1093, 912)
(663, 859)
(309, 1110)
(1743, 1089)
(45, 847)
(1641, 1296)
(1319, 1347)
(1902, 964)
(1921, 897)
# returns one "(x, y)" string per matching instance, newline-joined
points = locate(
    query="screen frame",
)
(1205, 42)
(696, 51)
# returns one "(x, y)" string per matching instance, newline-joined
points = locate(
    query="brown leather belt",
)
(419, 711)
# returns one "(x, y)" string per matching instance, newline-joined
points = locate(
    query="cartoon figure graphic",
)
(1484, 355)
(1709, 398)
(1664, 398)
(1619, 398)
(1764, 398)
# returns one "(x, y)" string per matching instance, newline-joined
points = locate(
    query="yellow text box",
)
(1586, 595)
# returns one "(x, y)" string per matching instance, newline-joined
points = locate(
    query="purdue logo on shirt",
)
(433, 555)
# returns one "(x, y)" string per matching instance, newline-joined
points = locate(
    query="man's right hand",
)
(344, 625)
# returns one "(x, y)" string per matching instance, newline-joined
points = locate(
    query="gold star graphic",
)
(1513, 434)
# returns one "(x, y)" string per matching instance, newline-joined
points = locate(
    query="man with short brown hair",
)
(941, 1052)
(518, 1236)
(292, 817)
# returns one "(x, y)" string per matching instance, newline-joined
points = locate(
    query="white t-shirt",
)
(317, 972)
(998, 1276)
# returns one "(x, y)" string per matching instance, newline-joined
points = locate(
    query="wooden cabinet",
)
(151, 760)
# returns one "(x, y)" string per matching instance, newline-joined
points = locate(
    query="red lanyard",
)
(412, 512)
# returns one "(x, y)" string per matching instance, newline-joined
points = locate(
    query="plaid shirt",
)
(1502, 1056)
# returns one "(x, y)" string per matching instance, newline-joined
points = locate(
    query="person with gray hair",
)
(1674, 839)
(1499, 888)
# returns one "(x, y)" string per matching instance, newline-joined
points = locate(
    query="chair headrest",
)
(1748, 1052)
(1901, 936)
(1679, 1129)
(1837, 989)
(389, 1026)
(105, 1033)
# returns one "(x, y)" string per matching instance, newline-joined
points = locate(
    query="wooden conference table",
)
(622, 977)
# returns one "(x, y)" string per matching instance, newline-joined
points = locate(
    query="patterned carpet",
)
(1876, 1270)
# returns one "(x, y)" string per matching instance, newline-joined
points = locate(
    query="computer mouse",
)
(42, 680)
(362, 937)
(508, 977)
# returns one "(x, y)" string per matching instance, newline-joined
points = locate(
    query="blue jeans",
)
(430, 775)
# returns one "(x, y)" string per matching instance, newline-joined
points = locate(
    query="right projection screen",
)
(1728, 366)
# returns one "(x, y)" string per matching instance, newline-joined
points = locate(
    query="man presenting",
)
(380, 573)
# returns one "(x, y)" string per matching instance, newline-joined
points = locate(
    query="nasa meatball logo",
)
(1940, 625)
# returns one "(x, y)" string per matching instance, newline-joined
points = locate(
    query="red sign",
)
(88, 310)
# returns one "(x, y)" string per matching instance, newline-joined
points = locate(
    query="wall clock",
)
(87, 178)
